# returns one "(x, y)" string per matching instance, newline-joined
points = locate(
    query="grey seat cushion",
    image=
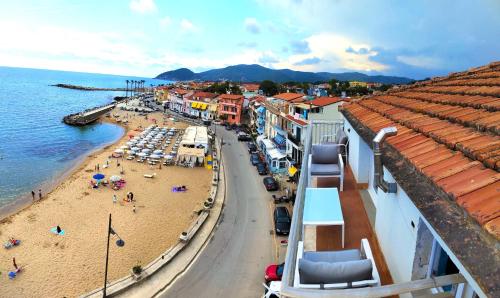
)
(333, 256)
(325, 169)
(325, 154)
(330, 273)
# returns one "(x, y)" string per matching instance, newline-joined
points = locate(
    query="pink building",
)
(231, 105)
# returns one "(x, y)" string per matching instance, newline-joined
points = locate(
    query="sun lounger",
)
(149, 175)
(130, 157)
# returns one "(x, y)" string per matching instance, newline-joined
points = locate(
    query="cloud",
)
(187, 26)
(420, 61)
(165, 22)
(252, 26)
(300, 47)
(247, 44)
(308, 61)
(268, 58)
(143, 6)
(360, 51)
(330, 49)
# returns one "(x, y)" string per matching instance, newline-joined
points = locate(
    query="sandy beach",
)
(70, 265)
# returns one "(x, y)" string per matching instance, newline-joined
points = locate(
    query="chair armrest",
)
(367, 252)
(341, 164)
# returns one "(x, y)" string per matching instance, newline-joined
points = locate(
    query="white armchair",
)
(325, 160)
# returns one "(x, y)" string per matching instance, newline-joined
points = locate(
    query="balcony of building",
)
(342, 227)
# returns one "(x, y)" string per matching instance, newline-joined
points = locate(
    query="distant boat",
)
(87, 116)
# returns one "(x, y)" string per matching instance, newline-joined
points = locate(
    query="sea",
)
(36, 148)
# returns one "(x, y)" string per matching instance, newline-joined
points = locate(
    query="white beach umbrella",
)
(135, 148)
(142, 154)
(119, 151)
(124, 147)
(155, 156)
(146, 150)
(158, 152)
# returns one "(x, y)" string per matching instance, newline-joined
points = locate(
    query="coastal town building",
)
(357, 84)
(177, 99)
(230, 108)
(424, 160)
(198, 104)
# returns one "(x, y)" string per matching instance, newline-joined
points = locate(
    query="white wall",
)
(359, 154)
(330, 112)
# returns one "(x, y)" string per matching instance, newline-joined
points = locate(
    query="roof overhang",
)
(476, 249)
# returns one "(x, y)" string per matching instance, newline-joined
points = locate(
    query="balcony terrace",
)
(314, 238)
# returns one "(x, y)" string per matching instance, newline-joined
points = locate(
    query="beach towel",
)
(177, 189)
(54, 231)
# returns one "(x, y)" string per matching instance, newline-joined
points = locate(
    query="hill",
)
(258, 73)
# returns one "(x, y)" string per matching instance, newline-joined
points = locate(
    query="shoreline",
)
(55, 264)
(23, 202)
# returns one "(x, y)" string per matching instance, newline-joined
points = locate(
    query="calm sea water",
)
(35, 146)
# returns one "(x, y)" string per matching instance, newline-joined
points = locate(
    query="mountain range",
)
(258, 73)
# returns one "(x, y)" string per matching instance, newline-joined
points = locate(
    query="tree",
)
(126, 91)
(269, 88)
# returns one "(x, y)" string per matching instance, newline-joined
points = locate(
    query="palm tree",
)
(126, 91)
(143, 81)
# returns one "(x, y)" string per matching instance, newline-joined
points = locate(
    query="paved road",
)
(233, 262)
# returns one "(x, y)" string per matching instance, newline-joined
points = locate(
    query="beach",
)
(72, 264)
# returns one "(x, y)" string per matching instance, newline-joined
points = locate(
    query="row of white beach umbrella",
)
(148, 140)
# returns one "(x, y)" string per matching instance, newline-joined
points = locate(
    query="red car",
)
(274, 272)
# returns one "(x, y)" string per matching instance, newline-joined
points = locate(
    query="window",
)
(233, 117)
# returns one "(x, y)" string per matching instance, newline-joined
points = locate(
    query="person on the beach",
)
(114, 199)
(40, 194)
(131, 196)
(14, 262)
(98, 167)
(58, 229)
(133, 209)
(33, 194)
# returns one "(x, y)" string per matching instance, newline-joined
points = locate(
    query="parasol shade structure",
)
(115, 178)
(98, 176)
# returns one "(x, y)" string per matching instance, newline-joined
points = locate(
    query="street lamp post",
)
(119, 243)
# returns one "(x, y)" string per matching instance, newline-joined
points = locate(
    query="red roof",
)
(251, 87)
(325, 101)
(230, 96)
(202, 94)
(298, 121)
(180, 91)
(292, 97)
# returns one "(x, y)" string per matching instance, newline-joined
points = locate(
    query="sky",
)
(416, 39)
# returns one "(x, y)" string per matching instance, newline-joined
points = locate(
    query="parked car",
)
(244, 137)
(274, 272)
(251, 147)
(254, 159)
(281, 220)
(270, 184)
(228, 126)
(261, 169)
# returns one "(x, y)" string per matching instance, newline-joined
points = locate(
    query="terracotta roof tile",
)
(493, 227)
(289, 96)
(450, 130)
(325, 101)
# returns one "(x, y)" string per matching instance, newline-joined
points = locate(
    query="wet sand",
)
(70, 265)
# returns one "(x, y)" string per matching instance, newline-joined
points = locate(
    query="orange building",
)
(231, 106)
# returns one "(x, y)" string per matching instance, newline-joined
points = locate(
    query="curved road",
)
(233, 262)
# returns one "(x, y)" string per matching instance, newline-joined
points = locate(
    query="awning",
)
(268, 144)
(291, 171)
(275, 154)
(280, 140)
(194, 104)
(203, 106)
